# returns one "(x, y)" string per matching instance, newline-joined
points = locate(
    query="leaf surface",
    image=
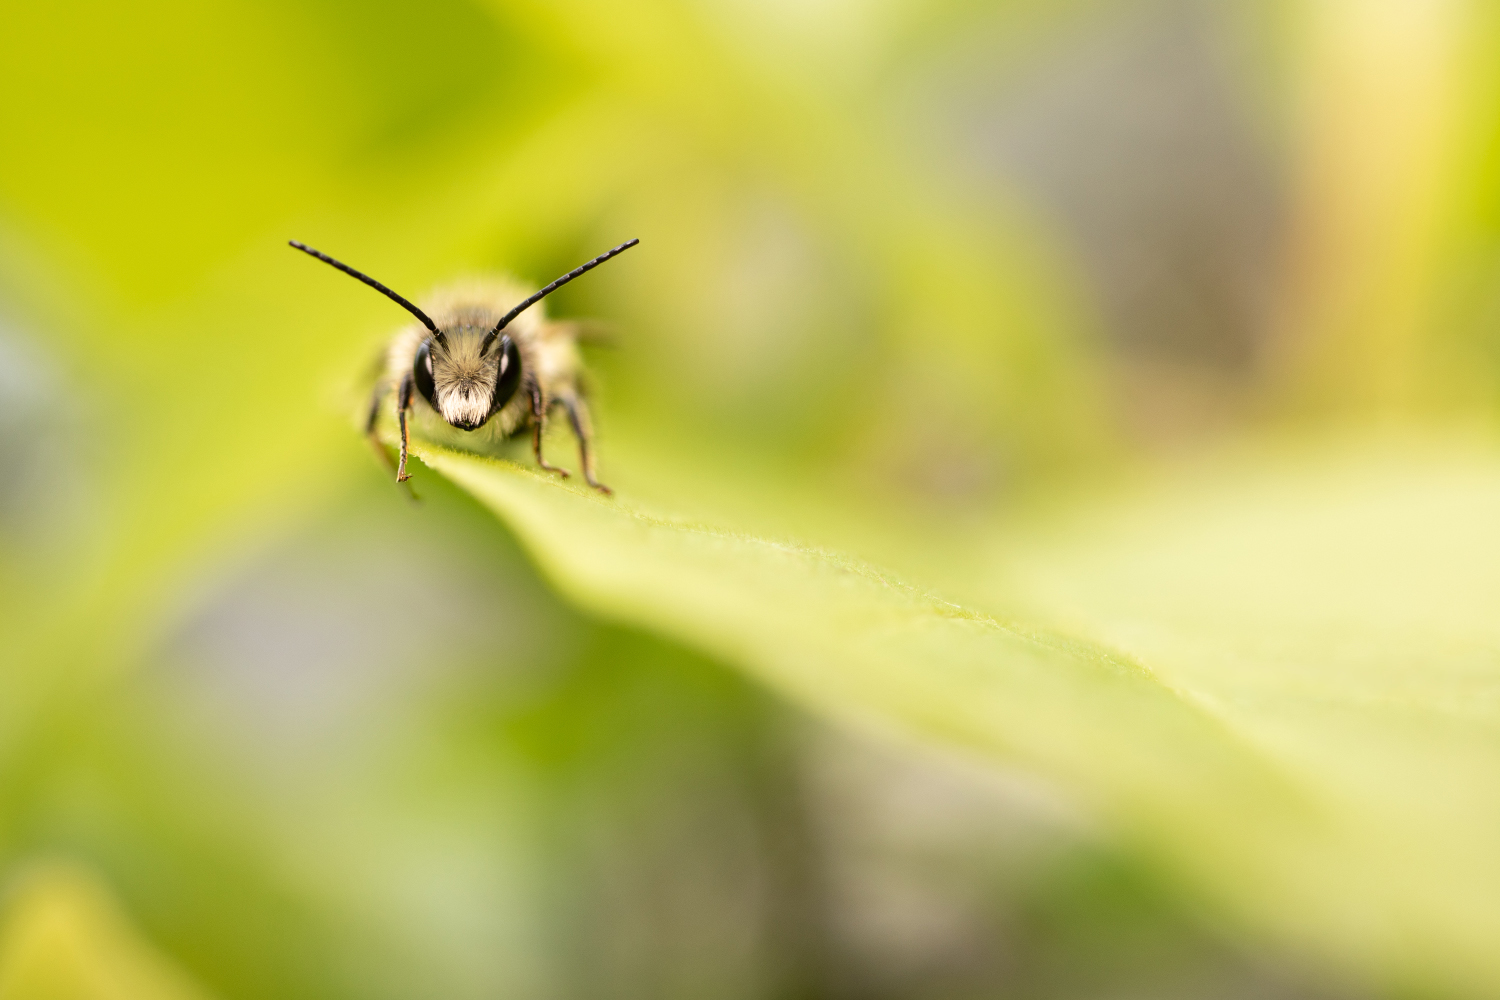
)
(1279, 680)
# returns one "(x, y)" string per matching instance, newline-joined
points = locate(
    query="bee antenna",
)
(489, 338)
(351, 272)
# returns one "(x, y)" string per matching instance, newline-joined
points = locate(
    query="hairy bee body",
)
(466, 311)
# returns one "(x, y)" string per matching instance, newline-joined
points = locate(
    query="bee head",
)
(467, 376)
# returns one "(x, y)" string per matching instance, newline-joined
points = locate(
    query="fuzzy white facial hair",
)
(464, 382)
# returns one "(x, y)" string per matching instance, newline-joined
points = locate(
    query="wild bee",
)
(478, 365)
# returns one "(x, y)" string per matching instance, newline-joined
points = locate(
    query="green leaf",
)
(1303, 732)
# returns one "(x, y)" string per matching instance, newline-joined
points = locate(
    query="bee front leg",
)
(583, 429)
(538, 413)
(403, 404)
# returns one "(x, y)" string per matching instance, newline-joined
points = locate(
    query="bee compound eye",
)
(421, 373)
(507, 374)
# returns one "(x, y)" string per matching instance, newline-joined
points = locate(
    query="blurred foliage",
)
(63, 938)
(1167, 328)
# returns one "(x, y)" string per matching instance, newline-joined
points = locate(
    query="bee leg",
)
(376, 398)
(403, 403)
(538, 412)
(578, 416)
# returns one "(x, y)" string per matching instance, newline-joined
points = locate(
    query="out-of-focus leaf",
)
(63, 938)
(1321, 775)
(1333, 609)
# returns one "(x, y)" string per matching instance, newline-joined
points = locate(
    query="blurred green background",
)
(910, 274)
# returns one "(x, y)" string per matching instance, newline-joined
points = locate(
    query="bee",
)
(481, 364)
